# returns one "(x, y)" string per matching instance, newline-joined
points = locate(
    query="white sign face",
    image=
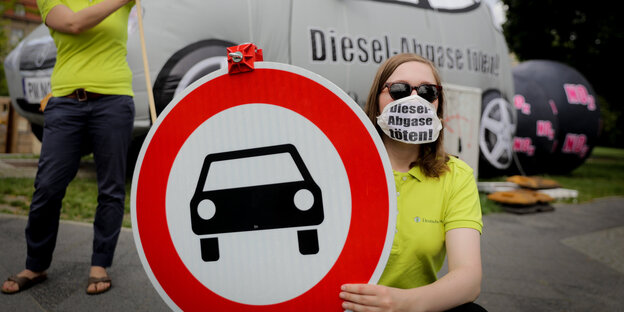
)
(257, 267)
(265, 199)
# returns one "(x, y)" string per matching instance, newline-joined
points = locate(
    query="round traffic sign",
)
(262, 191)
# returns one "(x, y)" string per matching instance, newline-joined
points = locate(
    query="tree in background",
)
(587, 35)
(4, 90)
(4, 49)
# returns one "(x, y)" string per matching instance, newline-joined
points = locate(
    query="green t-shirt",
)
(94, 59)
(428, 208)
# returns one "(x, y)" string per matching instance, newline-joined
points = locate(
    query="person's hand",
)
(367, 297)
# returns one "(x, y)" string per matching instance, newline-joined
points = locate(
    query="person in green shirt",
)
(439, 212)
(92, 106)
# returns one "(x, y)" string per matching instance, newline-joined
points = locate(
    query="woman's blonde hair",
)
(431, 158)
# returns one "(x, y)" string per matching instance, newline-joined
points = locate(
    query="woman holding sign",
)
(437, 197)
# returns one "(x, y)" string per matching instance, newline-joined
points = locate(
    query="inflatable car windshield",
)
(344, 41)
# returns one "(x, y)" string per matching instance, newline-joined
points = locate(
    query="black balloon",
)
(558, 117)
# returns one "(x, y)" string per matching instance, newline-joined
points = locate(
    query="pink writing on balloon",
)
(577, 94)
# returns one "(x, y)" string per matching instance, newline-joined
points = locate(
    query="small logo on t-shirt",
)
(425, 220)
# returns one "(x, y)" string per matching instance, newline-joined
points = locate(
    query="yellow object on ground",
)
(535, 183)
(522, 197)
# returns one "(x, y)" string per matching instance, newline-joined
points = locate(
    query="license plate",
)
(36, 88)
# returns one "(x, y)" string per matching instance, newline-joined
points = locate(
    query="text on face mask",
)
(412, 109)
(407, 122)
(411, 136)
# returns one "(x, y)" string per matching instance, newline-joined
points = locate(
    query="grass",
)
(78, 205)
(488, 206)
(601, 175)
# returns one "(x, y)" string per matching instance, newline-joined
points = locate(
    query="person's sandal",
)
(24, 282)
(94, 280)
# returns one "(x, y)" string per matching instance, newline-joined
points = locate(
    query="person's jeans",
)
(103, 125)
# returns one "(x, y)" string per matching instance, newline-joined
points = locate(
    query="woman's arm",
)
(62, 18)
(460, 285)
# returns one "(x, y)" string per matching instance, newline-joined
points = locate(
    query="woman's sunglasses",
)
(399, 90)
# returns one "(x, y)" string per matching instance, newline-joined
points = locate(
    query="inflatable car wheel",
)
(496, 133)
(186, 66)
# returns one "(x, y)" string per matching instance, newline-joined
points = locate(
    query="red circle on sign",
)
(367, 178)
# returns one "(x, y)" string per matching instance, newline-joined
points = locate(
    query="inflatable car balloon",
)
(342, 41)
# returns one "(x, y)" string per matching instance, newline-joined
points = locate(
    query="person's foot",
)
(11, 286)
(99, 281)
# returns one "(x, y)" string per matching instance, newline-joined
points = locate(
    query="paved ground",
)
(571, 259)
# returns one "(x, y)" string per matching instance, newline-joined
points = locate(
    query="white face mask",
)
(410, 120)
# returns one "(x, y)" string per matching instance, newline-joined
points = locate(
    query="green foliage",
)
(612, 128)
(586, 35)
(4, 46)
(79, 203)
(4, 89)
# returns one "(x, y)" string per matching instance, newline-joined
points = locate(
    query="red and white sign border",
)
(369, 174)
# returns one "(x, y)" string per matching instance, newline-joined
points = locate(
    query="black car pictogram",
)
(222, 205)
